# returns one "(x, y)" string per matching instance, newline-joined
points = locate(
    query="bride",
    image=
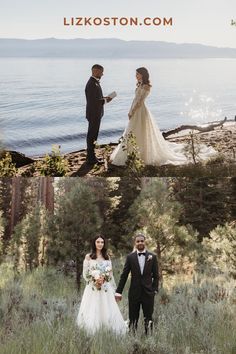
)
(98, 308)
(153, 148)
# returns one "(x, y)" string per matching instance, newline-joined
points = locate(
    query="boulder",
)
(19, 159)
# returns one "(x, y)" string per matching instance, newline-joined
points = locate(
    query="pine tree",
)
(77, 219)
(157, 214)
(26, 239)
(123, 194)
(219, 250)
(205, 202)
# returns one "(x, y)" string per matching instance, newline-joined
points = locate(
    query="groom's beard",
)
(140, 247)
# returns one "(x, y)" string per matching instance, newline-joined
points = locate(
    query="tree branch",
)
(194, 127)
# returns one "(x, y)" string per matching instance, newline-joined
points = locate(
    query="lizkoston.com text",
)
(117, 21)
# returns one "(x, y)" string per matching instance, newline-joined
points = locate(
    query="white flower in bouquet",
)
(99, 276)
(96, 274)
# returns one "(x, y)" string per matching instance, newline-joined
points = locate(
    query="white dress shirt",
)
(141, 260)
(98, 80)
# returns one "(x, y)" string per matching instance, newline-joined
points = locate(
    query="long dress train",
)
(153, 148)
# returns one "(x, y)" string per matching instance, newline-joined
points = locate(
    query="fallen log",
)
(194, 127)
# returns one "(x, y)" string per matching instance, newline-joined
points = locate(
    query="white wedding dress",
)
(153, 148)
(98, 308)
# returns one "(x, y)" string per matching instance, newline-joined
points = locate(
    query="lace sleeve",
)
(139, 98)
(85, 268)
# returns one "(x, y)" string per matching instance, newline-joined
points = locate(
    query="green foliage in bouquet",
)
(54, 164)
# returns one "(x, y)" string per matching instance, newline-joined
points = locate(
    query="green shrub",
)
(7, 167)
(38, 316)
(54, 164)
(134, 163)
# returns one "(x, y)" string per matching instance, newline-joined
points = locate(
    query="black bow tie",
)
(141, 253)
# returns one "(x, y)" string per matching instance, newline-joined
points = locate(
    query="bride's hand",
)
(129, 115)
(99, 283)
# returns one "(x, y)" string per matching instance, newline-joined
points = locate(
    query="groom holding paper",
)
(95, 110)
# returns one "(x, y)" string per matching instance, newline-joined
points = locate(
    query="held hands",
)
(118, 297)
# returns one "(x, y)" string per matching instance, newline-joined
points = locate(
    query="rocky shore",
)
(222, 139)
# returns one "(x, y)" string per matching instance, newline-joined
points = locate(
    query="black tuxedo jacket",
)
(95, 101)
(142, 285)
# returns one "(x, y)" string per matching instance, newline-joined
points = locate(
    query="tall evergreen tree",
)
(205, 202)
(26, 240)
(219, 250)
(157, 214)
(123, 194)
(78, 220)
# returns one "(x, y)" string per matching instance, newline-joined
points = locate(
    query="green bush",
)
(38, 311)
(134, 163)
(54, 164)
(7, 167)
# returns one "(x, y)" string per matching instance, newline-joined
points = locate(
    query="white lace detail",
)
(141, 93)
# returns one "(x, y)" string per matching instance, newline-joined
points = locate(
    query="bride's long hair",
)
(93, 254)
(145, 76)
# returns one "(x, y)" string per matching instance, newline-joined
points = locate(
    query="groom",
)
(94, 111)
(144, 283)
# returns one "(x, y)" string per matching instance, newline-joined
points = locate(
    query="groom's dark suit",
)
(142, 288)
(94, 113)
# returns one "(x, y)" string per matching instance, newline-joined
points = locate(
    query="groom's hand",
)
(108, 99)
(118, 297)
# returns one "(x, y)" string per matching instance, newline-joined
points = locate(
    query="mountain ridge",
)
(109, 48)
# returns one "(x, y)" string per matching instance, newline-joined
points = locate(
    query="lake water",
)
(42, 100)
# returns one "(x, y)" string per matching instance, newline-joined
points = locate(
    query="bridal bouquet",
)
(99, 276)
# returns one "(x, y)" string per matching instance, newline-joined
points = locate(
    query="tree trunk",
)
(15, 203)
(46, 192)
(160, 270)
(78, 272)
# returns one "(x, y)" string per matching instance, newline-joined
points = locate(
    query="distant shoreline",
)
(112, 47)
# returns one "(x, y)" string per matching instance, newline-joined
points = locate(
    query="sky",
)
(194, 21)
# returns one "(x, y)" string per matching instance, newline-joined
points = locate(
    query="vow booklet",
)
(112, 95)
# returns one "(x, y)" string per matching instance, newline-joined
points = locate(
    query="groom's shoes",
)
(94, 161)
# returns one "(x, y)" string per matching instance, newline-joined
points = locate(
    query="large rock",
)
(19, 159)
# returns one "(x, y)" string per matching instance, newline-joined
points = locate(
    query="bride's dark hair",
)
(145, 75)
(93, 254)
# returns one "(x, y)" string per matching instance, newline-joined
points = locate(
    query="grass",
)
(192, 315)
